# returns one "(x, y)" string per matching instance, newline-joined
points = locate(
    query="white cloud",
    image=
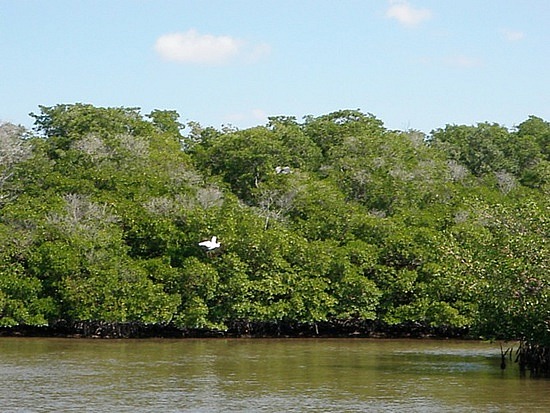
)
(513, 35)
(193, 47)
(407, 15)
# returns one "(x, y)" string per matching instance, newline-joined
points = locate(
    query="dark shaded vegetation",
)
(321, 222)
(237, 329)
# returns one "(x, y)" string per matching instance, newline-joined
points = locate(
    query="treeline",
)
(331, 219)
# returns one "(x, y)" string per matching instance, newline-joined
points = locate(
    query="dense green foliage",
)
(102, 210)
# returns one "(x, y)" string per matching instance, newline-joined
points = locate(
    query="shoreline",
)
(238, 329)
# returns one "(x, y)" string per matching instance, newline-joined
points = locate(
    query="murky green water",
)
(317, 375)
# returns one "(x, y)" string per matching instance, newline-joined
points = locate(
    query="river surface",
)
(257, 375)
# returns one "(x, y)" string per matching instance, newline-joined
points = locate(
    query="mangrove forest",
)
(107, 215)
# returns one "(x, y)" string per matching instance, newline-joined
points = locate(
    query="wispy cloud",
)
(463, 62)
(257, 52)
(456, 61)
(406, 14)
(193, 47)
(513, 35)
(254, 116)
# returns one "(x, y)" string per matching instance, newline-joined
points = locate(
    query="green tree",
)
(328, 131)
(14, 148)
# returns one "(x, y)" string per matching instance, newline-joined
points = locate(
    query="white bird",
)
(211, 244)
(283, 170)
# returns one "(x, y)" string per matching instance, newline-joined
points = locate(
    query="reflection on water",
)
(236, 375)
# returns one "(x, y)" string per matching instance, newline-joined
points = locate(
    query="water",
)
(256, 375)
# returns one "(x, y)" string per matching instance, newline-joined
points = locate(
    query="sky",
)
(414, 64)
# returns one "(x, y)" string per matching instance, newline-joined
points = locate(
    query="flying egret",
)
(211, 244)
(283, 170)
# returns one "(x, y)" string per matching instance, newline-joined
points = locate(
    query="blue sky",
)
(415, 64)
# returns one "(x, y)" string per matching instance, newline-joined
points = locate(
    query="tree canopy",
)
(333, 218)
